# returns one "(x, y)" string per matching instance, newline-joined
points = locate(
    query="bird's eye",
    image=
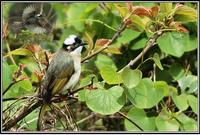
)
(39, 15)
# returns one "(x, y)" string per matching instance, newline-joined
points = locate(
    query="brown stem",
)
(116, 35)
(151, 42)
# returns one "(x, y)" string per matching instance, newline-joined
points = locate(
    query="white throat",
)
(77, 50)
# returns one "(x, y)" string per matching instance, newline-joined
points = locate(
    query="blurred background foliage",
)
(168, 79)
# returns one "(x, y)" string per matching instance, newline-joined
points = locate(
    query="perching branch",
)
(22, 113)
(116, 35)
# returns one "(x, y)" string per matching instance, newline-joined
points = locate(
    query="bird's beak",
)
(82, 44)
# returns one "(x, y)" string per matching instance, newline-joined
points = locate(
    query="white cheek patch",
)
(70, 40)
(68, 47)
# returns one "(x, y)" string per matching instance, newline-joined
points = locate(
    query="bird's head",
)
(73, 44)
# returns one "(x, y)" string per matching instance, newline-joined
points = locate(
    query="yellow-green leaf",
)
(20, 51)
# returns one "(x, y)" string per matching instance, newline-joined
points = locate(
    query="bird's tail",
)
(41, 114)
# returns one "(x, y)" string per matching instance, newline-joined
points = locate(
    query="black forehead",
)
(78, 40)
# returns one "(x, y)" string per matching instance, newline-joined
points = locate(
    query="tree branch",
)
(116, 35)
(150, 43)
(22, 113)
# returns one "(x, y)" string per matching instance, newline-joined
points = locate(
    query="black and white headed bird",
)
(63, 72)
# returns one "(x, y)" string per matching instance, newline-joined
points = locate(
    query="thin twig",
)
(116, 35)
(123, 115)
(10, 85)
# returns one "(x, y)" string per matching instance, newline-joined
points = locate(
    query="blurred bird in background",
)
(35, 17)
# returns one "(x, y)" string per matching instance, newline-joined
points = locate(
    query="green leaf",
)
(187, 123)
(176, 71)
(127, 36)
(192, 45)
(104, 101)
(157, 61)
(87, 80)
(112, 50)
(166, 123)
(76, 12)
(139, 44)
(188, 83)
(131, 78)
(110, 76)
(148, 92)
(104, 60)
(180, 101)
(7, 75)
(20, 51)
(20, 88)
(165, 7)
(193, 102)
(173, 43)
(82, 95)
(138, 22)
(185, 14)
(30, 121)
(139, 117)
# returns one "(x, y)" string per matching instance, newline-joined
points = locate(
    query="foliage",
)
(157, 95)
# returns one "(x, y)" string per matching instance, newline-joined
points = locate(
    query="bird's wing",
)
(58, 74)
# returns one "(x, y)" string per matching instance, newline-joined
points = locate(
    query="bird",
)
(36, 17)
(63, 71)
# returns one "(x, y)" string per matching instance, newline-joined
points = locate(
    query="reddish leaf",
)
(154, 11)
(181, 28)
(102, 42)
(178, 26)
(39, 75)
(33, 48)
(142, 11)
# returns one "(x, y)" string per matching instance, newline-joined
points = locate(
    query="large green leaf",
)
(103, 60)
(193, 102)
(180, 101)
(165, 7)
(20, 88)
(176, 44)
(185, 14)
(105, 101)
(127, 36)
(20, 51)
(176, 71)
(148, 92)
(188, 83)
(7, 75)
(165, 122)
(139, 117)
(139, 43)
(187, 123)
(78, 11)
(131, 78)
(110, 75)
(173, 43)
